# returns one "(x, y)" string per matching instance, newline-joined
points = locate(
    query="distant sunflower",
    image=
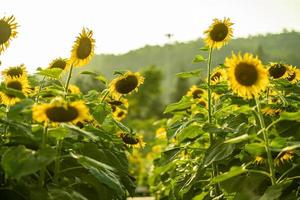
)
(278, 70)
(17, 71)
(161, 133)
(8, 31)
(125, 84)
(73, 89)
(83, 49)
(59, 111)
(259, 160)
(196, 92)
(132, 140)
(293, 75)
(219, 33)
(61, 63)
(284, 157)
(21, 84)
(121, 103)
(218, 75)
(202, 102)
(246, 75)
(119, 114)
(271, 111)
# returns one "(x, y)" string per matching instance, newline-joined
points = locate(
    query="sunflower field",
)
(234, 135)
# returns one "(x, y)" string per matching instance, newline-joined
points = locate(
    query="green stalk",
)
(68, 80)
(104, 96)
(39, 91)
(57, 160)
(44, 143)
(267, 144)
(211, 136)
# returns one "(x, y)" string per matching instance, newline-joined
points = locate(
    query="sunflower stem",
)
(211, 136)
(40, 89)
(104, 96)
(267, 143)
(68, 81)
(43, 146)
(57, 160)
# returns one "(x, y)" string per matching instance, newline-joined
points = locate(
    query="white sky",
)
(49, 27)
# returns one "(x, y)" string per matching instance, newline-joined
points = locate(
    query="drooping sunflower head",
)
(8, 31)
(293, 74)
(130, 140)
(61, 63)
(60, 111)
(283, 157)
(21, 84)
(246, 75)
(271, 111)
(119, 114)
(17, 71)
(259, 160)
(125, 84)
(218, 75)
(219, 33)
(83, 49)
(73, 89)
(278, 70)
(196, 92)
(122, 103)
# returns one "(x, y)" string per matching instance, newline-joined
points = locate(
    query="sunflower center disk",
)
(15, 72)
(246, 74)
(127, 139)
(59, 64)
(126, 85)
(84, 49)
(120, 114)
(291, 77)
(61, 114)
(197, 94)
(5, 32)
(14, 85)
(219, 32)
(216, 76)
(277, 71)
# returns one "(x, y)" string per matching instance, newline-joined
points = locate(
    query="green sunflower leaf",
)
(190, 74)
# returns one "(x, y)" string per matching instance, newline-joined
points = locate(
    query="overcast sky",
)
(49, 27)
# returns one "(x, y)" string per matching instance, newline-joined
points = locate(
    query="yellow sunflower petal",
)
(8, 31)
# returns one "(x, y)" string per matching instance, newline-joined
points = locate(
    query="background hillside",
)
(176, 57)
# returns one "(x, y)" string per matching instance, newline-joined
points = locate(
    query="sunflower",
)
(219, 33)
(83, 48)
(8, 31)
(17, 71)
(125, 84)
(119, 114)
(218, 75)
(21, 84)
(271, 111)
(73, 89)
(196, 92)
(259, 160)
(122, 103)
(59, 111)
(61, 63)
(284, 157)
(132, 140)
(161, 133)
(293, 75)
(246, 75)
(278, 70)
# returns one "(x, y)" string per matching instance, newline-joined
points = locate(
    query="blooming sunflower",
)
(161, 133)
(271, 111)
(21, 84)
(246, 75)
(61, 63)
(119, 114)
(83, 48)
(219, 33)
(59, 111)
(122, 102)
(278, 70)
(125, 84)
(196, 92)
(17, 71)
(73, 89)
(8, 31)
(259, 160)
(132, 140)
(284, 157)
(293, 75)
(218, 75)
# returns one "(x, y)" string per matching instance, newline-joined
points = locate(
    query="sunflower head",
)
(73, 89)
(271, 111)
(132, 140)
(60, 111)
(17, 71)
(119, 114)
(83, 49)
(219, 33)
(8, 31)
(161, 133)
(218, 75)
(196, 92)
(283, 157)
(21, 84)
(293, 74)
(278, 70)
(246, 75)
(122, 103)
(61, 63)
(259, 160)
(125, 84)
